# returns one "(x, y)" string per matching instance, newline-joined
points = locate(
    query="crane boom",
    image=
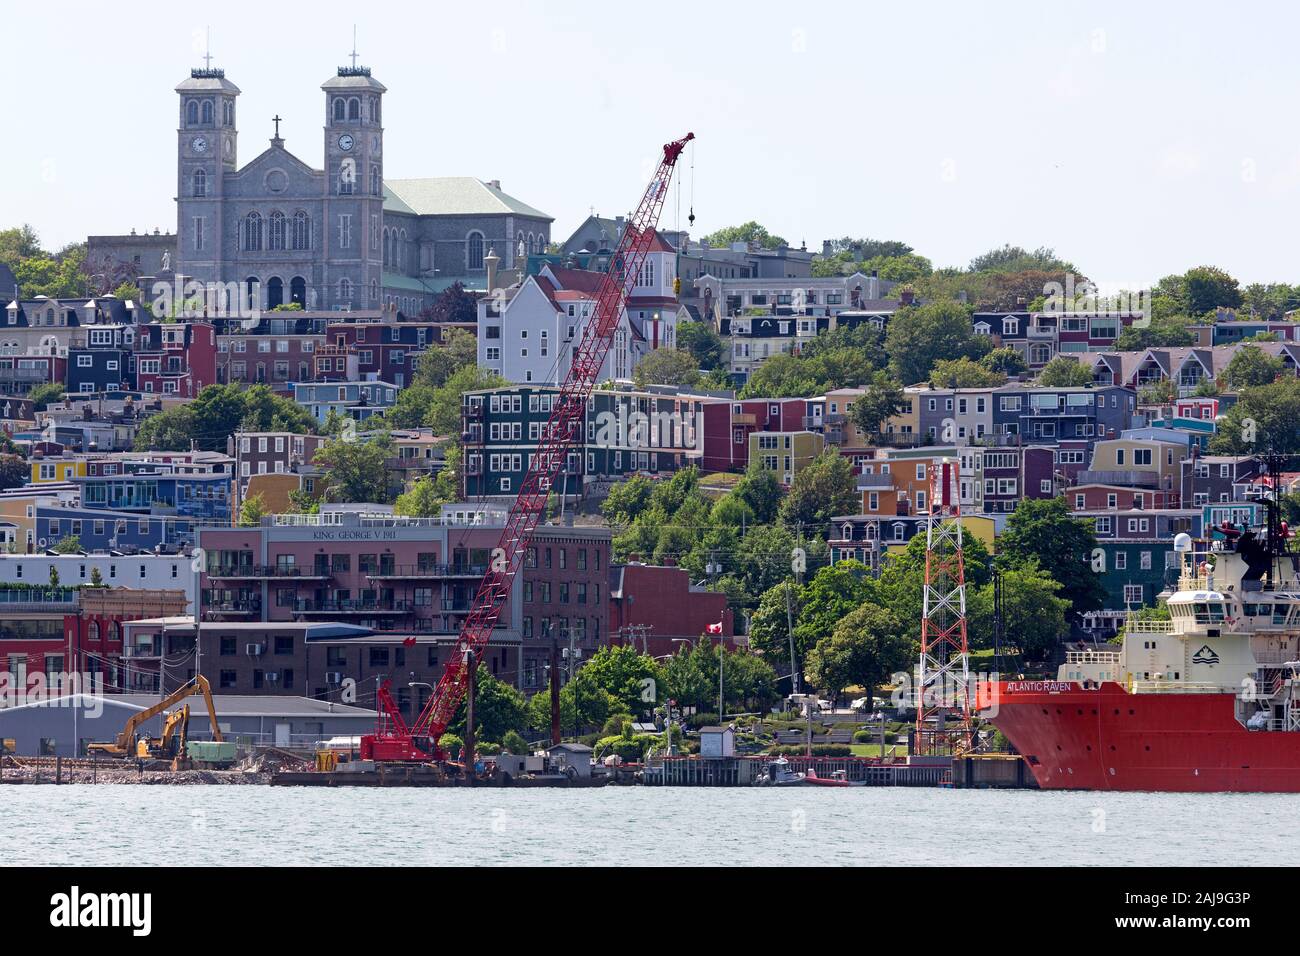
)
(558, 436)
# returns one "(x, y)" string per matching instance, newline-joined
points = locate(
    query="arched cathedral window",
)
(207, 112)
(301, 231)
(200, 183)
(338, 108)
(192, 112)
(276, 232)
(476, 250)
(354, 108)
(253, 232)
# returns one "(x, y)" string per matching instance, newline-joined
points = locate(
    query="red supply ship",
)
(1206, 701)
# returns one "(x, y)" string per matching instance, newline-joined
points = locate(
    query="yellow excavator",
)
(175, 730)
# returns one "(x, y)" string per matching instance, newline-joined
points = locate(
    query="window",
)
(475, 250)
(1132, 593)
(301, 233)
(276, 232)
(253, 232)
(200, 183)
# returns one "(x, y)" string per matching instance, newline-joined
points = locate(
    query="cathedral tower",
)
(206, 149)
(354, 188)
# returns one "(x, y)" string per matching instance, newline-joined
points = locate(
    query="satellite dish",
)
(1183, 543)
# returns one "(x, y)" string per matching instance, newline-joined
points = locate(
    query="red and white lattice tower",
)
(943, 691)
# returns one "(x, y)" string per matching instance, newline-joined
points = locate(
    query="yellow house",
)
(977, 526)
(784, 454)
(57, 469)
(840, 429)
(18, 518)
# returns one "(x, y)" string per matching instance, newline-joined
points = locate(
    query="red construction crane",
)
(393, 740)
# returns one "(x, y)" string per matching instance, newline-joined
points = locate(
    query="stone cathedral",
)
(340, 238)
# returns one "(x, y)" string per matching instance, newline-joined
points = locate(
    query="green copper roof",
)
(453, 196)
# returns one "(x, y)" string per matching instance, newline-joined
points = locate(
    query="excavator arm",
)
(123, 746)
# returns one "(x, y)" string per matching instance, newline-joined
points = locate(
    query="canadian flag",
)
(715, 628)
(408, 642)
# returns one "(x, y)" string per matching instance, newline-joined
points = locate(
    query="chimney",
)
(907, 297)
(494, 183)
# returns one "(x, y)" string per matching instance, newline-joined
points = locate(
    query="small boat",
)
(838, 778)
(779, 774)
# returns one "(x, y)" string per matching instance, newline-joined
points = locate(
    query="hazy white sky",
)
(1136, 138)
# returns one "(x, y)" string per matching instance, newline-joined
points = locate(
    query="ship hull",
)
(1077, 737)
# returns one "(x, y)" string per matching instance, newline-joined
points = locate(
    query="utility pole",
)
(789, 626)
(555, 691)
(471, 672)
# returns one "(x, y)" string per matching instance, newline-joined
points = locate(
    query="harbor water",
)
(117, 825)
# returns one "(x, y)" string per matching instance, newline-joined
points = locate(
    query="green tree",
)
(1063, 372)
(1208, 288)
(438, 363)
(629, 677)
(14, 471)
(1042, 533)
(882, 400)
(822, 489)
(1252, 366)
(667, 367)
(921, 336)
(761, 491)
(1011, 258)
(746, 232)
(443, 414)
(69, 544)
(428, 493)
(864, 649)
(1160, 332)
(170, 430)
(1263, 419)
(499, 709)
(1035, 615)
(833, 593)
(356, 470)
(702, 341)
(46, 394)
(265, 411)
(964, 373)
(1006, 360)
(251, 512)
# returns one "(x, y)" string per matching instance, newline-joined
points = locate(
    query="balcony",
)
(31, 375)
(232, 607)
(875, 481)
(451, 604)
(1136, 479)
(429, 571)
(275, 571)
(354, 606)
(143, 651)
(18, 599)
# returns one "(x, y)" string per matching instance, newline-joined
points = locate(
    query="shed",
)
(717, 742)
(575, 756)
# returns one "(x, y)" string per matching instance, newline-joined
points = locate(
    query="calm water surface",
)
(145, 825)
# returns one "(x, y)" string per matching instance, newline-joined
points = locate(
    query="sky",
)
(1136, 139)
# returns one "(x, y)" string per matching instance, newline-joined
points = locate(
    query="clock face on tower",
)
(199, 144)
(345, 142)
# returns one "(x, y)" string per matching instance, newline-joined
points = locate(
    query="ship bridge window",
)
(1209, 613)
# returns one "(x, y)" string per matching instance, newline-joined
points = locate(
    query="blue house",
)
(105, 530)
(356, 400)
(204, 497)
(101, 361)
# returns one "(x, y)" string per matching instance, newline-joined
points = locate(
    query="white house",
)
(528, 333)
